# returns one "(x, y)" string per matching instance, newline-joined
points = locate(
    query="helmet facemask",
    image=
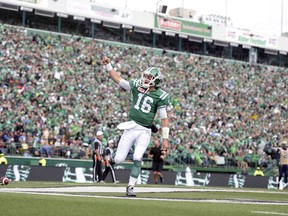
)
(151, 77)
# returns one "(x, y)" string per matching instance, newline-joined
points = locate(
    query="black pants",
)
(97, 169)
(111, 170)
(283, 170)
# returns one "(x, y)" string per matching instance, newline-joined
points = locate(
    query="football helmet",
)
(151, 77)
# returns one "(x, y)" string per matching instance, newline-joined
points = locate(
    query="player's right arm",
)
(114, 75)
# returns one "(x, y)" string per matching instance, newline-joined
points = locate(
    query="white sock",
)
(132, 181)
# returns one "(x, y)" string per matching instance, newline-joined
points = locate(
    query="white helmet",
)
(151, 77)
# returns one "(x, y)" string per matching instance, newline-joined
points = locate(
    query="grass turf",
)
(44, 205)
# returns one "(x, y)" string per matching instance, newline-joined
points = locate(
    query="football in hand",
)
(4, 181)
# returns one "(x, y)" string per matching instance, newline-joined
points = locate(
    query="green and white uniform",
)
(143, 110)
(145, 105)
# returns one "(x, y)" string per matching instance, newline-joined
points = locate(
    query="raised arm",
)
(113, 74)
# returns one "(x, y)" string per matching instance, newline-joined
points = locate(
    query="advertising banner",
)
(182, 26)
(186, 178)
(93, 10)
(251, 38)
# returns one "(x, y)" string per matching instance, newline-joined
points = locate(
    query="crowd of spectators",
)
(55, 95)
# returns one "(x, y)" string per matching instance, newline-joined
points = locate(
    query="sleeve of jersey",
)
(96, 145)
(133, 84)
(107, 152)
(165, 100)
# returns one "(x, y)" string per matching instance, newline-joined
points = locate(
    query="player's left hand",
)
(154, 128)
(165, 147)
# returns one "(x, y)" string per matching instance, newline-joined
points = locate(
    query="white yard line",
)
(64, 190)
(157, 199)
(136, 189)
(269, 213)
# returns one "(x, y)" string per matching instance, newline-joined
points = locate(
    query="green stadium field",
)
(57, 198)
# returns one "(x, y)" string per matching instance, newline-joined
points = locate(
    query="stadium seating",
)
(54, 86)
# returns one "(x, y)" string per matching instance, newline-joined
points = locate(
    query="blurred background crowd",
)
(55, 95)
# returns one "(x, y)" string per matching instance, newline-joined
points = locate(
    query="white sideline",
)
(62, 191)
(136, 189)
(157, 199)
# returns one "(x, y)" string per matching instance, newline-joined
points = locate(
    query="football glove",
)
(154, 129)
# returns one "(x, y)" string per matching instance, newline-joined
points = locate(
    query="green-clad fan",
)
(147, 99)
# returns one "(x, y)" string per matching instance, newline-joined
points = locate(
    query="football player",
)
(147, 99)
(283, 165)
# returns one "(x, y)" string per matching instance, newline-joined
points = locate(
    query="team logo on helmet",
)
(151, 77)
